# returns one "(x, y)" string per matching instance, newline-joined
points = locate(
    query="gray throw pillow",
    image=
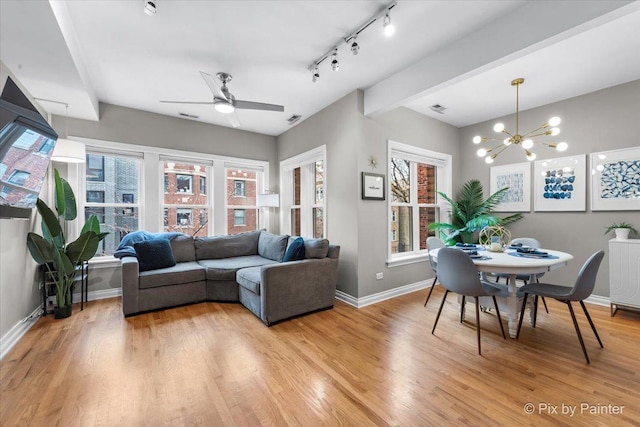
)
(183, 248)
(272, 246)
(316, 248)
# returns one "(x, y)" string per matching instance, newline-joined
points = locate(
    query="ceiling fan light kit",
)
(526, 140)
(387, 28)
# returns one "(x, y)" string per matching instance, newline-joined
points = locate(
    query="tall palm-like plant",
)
(52, 250)
(471, 213)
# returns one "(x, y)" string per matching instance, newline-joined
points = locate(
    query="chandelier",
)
(525, 141)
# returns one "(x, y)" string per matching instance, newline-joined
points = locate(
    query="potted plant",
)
(51, 249)
(622, 230)
(471, 213)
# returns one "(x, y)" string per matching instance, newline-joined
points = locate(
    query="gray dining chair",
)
(532, 243)
(580, 291)
(458, 274)
(433, 243)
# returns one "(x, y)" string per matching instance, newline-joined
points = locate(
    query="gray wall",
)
(604, 120)
(360, 226)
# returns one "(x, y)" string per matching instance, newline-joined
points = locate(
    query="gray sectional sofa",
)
(245, 267)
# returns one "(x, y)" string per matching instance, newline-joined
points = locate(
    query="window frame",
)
(443, 163)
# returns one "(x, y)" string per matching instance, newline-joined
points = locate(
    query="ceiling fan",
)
(224, 101)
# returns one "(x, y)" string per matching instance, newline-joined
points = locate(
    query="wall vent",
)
(291, 120)
(189, 116)
(438, 108)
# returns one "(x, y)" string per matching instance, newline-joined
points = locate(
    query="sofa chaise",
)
(247, 268)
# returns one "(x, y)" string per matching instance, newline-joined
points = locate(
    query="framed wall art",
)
(560, 184)
(517, 177)
(372, 186)
(615, 180)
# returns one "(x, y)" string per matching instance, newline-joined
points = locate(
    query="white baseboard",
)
(382, 296)
(11, 338)
(101, 294)
(598, 300)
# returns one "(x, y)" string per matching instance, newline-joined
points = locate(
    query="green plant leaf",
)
(49, 218)
(70, 206)
(39, 248)
(59, 196)
(83, 248)
(63, 264)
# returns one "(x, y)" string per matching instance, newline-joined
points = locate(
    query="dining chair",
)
(459, 275)
(532, 243)
(433, 243)
(580, 291)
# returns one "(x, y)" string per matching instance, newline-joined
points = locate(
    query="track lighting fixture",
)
(350, 40)
(150, 7)
(335, 65)
(355, 48)
(387, 26)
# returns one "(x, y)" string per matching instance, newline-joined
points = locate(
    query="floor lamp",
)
(268, 200)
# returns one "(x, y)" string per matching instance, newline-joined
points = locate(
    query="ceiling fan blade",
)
(211, 82)
(249, 105)
(187, 102)
(234, 120)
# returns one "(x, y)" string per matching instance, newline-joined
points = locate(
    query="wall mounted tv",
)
(26, 145)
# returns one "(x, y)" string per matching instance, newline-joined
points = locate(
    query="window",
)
(238, 188)
(243, 184)
(184, 183)
(303, 179)
(185, 211)
(415, 177)
(203, 185)
(46, 146)
(112, 194)
(238, 217)
(95, 168)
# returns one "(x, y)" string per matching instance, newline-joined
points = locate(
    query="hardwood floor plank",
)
(217, 364)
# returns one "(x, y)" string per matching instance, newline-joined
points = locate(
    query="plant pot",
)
(62, 312)
(622, 233)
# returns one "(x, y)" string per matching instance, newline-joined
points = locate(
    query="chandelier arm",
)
(507, 132)
(504, 147)
(544, 126)
(537, 134)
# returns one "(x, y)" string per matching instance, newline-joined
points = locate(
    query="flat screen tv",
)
(26, 145)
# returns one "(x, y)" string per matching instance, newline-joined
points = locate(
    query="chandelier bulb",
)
(489, 159)
(477, 139)
(499, 127)
(527, 143)
(554, 131)
(530, 156)
(562, 146)
(482, 152)
(507, 141)
(554, 121)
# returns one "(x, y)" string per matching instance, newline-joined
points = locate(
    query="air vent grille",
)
(438, 108)
(189, 116)
(294, 118)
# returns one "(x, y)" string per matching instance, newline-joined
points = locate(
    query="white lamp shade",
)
(68, 151)
(268, 200)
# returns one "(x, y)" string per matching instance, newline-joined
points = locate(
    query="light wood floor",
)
(217, 365)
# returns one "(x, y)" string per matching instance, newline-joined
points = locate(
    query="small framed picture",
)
(372, 186)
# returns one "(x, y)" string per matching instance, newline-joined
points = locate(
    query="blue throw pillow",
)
(295, 252)
(154, 254)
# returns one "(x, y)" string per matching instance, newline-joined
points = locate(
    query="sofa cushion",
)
(218, 247)
(316, 248)
(295, 251)
(183, 248)
(272, 246)
(183, 272)
(225, 269)
(249, 278)
(154, 254)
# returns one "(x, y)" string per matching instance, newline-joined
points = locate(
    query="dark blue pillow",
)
(154, 254)
(295, 252)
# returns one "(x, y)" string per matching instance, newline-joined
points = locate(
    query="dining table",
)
(511, 262)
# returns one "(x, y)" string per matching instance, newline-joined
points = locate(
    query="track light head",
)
(316, 75)
(150, 7)
(335, 65)
(387, 26)
(355, 48)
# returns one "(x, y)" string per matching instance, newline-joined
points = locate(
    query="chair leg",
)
(544, 301)
(478, 324)
(462, 309)
(440, 311)
(593, 327)
(433, 285)
(575, 323)
(495, 303)
(524, 305)
(535, 310)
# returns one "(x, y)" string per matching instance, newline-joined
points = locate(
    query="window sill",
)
(412, 259)
(104, 262)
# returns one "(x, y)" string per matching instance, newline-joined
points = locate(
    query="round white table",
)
(506, 263)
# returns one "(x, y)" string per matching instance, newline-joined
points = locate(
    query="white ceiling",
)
(460, 54)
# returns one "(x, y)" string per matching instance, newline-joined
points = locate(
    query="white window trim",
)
(445, 184)
(301, 160)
